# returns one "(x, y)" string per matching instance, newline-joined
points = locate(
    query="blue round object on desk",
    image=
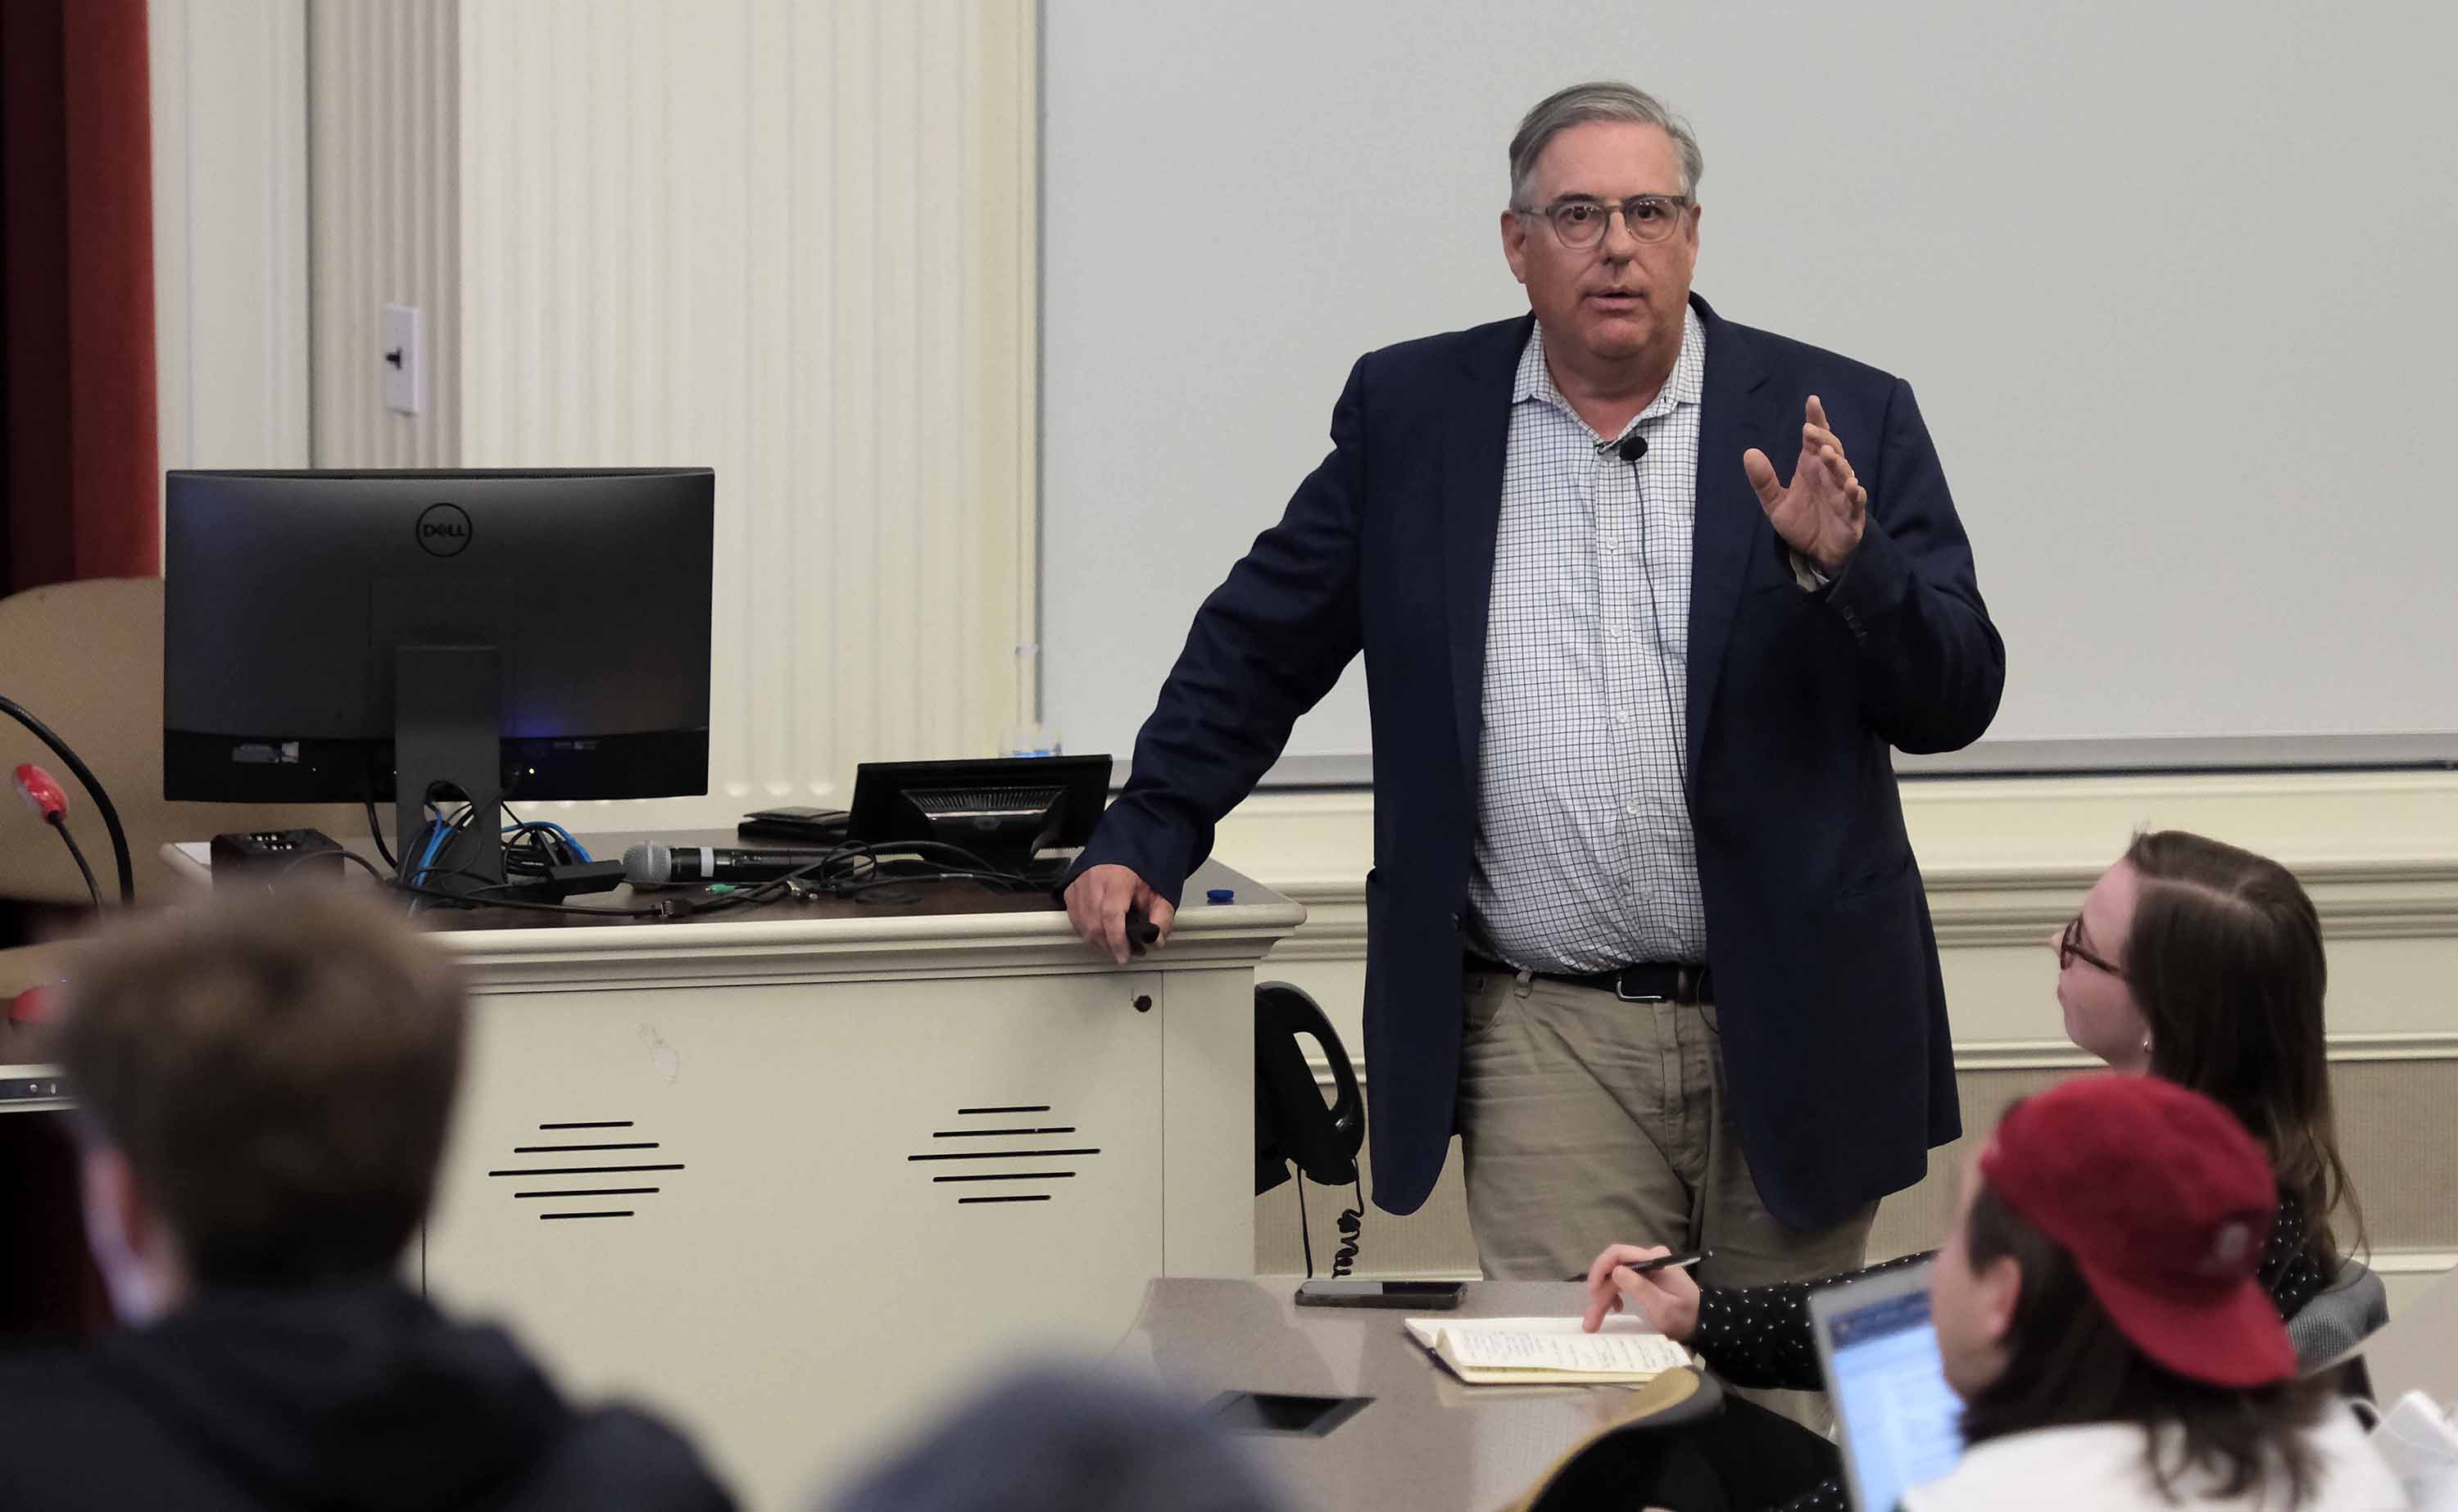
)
(1221, 895)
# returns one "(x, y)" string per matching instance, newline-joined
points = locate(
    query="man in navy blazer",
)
(1644, 926)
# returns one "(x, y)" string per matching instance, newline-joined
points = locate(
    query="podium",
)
(795, 1178)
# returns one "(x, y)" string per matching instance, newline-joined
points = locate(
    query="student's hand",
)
(1097, 903)
(1667, 1302)
(1821, 514)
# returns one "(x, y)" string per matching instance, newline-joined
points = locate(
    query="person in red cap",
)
(2098, 1313)
(2192, 960)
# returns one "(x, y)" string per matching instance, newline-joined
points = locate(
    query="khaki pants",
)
(1587, 1121)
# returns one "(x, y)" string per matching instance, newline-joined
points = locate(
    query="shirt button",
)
(1631, 809)
(1621, 717)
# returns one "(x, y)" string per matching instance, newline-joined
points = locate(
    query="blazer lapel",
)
(1476, 437)
(1737, 405)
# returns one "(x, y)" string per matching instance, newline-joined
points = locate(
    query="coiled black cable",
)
(93, 790)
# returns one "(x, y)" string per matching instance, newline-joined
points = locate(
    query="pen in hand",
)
(1679, 1260)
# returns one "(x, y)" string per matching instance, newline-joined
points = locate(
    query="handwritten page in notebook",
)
(1488, 1349)
(1572, 1354)
(1429, 1331)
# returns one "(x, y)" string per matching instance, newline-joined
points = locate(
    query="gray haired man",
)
(1645, 597)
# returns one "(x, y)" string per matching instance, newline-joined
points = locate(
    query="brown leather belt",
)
(1651, 981)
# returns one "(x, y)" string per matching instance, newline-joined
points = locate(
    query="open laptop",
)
(1900, 1422)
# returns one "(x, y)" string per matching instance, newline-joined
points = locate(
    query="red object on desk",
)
(32, 1006)
(41, 792)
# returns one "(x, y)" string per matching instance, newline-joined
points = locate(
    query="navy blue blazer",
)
(1832, 1012)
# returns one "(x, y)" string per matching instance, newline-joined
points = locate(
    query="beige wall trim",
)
(2412, 1262)
(2007, 861)
(2057, 1056)
(2378, 900)
(2024, 1055)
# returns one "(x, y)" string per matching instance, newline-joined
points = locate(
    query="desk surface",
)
(906, 899)
(1426, 1443)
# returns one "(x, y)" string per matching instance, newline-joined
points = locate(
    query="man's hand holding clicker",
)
(1822, 513)
(1097, 903)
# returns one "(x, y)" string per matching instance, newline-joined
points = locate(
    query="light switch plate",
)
(403, 357)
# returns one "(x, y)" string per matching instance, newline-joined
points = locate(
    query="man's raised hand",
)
(1820, 514)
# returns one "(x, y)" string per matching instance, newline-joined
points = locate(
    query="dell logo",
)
(443, 530)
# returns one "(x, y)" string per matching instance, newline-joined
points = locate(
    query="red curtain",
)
(79, 476)
(78, 461)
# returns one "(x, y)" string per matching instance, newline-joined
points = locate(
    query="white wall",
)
(2168, 278)
(229, 87)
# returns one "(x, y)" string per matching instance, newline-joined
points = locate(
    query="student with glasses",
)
(2191, 960)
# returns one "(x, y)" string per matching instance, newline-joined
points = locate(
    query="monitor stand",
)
(448, 740)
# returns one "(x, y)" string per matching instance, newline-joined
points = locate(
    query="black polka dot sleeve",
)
(1759, 1336)
(1827, 1497)
(2292, 1271)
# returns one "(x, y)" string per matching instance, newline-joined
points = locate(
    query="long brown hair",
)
(2067, 1364)
(2225, 959)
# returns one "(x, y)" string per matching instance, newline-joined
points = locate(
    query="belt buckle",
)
(1624, 994)
(1686, 984)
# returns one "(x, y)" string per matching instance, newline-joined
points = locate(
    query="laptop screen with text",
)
(1901, 1421)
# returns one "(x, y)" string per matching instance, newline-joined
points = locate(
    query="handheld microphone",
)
(650, 864)
(42, 793)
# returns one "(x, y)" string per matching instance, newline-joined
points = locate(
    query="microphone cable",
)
(102, 804)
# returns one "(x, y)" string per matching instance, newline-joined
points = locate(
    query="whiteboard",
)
(2174, 285)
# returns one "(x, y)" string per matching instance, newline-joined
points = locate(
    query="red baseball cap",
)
(2165, 1202)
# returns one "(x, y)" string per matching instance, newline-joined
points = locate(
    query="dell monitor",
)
(433, 636)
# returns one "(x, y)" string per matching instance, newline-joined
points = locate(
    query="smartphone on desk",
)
(1430, 1297)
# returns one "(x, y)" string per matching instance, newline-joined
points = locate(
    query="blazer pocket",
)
(1888, 876)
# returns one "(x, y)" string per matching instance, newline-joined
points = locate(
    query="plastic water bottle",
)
(1028, 736)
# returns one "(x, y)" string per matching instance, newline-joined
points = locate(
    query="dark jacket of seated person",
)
(263, 1089)
(349, 1394)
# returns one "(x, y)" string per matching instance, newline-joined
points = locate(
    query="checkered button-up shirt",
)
(1585, 859)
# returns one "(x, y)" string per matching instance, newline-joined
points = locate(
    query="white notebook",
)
(1547, 1351)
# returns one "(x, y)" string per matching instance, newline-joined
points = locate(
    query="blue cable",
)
(438, 834)
(560, 833)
